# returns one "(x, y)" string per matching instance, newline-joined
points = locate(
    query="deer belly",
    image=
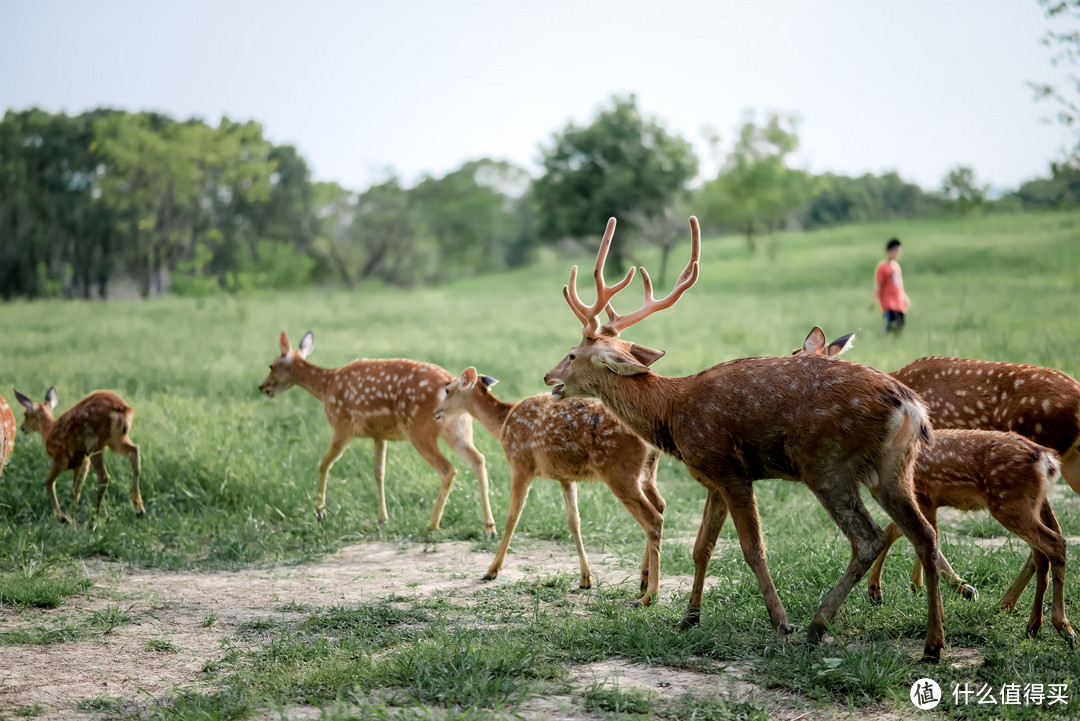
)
(382, 424)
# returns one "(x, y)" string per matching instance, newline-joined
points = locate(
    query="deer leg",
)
(744, 514)
(712, 520)
(569, 491)
(636, 501)
(131, 451)
(896, 498)
(1049, 549)
(951, 577)
(380, 479)
(841, 499)
(97, 460)
(519, 491)
(79, 476)
(428, 448)
(50, 488)
(464, 447)
(652, 494)
(333, 453)
(1009, 600)
(873, 584)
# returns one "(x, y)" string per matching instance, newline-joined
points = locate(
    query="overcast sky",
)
(419, 87)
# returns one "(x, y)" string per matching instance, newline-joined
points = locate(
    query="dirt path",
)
(180, 622)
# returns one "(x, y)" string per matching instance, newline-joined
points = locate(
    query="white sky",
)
(360, 87)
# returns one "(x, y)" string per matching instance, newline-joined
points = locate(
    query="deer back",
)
(98, 421)
(569, 439)
(384, 398)
(787, 417)
(1042, 404)
(974, 469)
(7, 431)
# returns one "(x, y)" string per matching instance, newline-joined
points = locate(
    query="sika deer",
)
(975, 469)
(830, 425)
(78, 439)
(1042, 404)
(566, 440)
(7, 432)
(385, 400)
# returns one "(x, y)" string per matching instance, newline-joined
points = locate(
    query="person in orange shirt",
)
(889, 288)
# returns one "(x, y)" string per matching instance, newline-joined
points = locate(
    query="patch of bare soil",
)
(180, 622)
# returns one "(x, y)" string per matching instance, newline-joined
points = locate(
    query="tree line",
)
(110, 196)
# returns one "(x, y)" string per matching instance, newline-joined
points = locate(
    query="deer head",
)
(460, 393)
(281, 375)
(601, 352)
(39, 418)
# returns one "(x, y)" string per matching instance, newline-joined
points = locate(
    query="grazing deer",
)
(803, 418)
(971, 470)
(385, 400)
(78, 439)
(566, 440)
(7, 432)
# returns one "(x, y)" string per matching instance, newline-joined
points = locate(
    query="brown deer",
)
(385, 400)
(7, 432)
(972, 470)
(829, 425)
(566, 440)
(1042, 404)
(78, 439)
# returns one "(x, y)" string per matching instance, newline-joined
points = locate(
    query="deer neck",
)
(491, 412)
(312, 378)
(643, 404)
(46, 426)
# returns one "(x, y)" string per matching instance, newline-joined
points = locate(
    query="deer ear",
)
(815, 342)
(841, 344)
(23, 400)
(468, 377)
(620, 362)
(645, 356)
(50, 397)
(488, 381)
(306, 344)
(283, 344)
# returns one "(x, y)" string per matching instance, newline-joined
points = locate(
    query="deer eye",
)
(572, 357)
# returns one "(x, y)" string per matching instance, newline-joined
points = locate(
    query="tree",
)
(961, 190)
(755, 189)
(1064, 41)
(621, 162)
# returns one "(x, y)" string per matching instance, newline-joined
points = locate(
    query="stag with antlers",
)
(829, 425)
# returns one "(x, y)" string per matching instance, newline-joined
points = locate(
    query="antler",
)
(686, 279)
(604, 293)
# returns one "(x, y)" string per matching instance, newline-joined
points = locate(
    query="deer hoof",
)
(875, 595)
(140, 513)
(320, 514)
(489, 576)
(814, 634)
(691, 619)
(489, 530)
(968, 591)
(1033, 630)
(586, 582)
(63, 518)
(931, 654)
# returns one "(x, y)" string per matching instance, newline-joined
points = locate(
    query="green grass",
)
(229, 477)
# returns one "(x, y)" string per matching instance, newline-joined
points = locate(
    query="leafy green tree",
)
(961, 190)
(1064, 41)
(471, 215)
(838, 199)
(756, 189)
(619, 163)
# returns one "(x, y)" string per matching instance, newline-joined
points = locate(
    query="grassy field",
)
(229, 479)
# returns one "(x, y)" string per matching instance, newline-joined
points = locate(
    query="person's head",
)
(892, 249)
